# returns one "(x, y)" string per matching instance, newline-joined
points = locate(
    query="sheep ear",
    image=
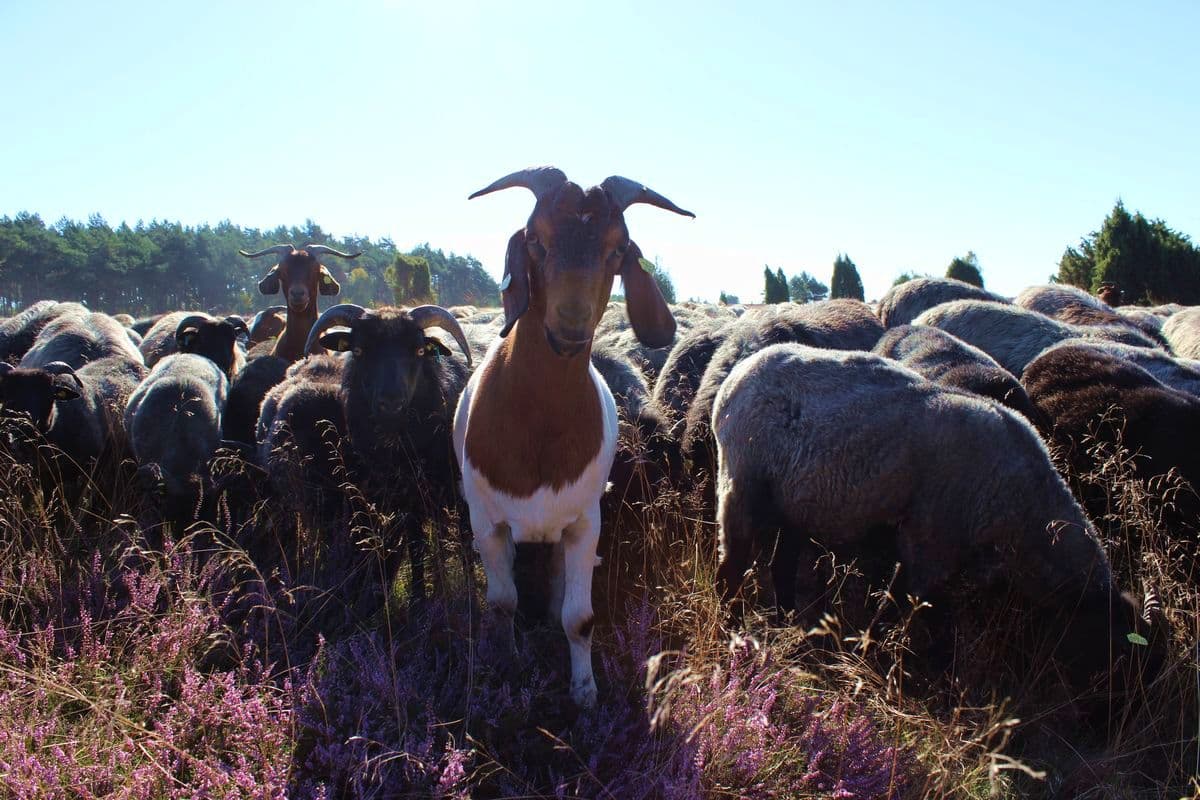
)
(270, 284)
(328, 286)
(432, 344)
(185, 341)
(338, 341)
(514, 287)
(648, 312)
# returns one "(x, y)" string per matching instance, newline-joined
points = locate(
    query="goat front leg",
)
(579, 561)
(496, 551)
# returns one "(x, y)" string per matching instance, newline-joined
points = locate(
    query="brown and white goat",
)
(535, 430)
(301, 277)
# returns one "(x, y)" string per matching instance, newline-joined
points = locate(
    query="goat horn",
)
(315, 249)
(539, 180)
(282, 249)
(625, 193)
(342, 314)
(192, 320)
(63, 368)
(438, 317)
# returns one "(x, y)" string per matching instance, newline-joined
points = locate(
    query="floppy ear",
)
(64, 391)
(328, 286)
(270, 284)
(514, 287)
(338, 341)
(648, 313)
(185, 340)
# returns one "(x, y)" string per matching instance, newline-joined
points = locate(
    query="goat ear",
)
(328, 286)
(338, 341)
(514, 287)
(648, 313)
(270, 284)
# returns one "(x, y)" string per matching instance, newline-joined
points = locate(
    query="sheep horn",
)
(5, 368)
(63, 368)
(318, 249)
(539, 180)
(625, 193)
(281, 249)
(258, 325)
(190, 321)
(438, 317)
(342, 314)
(239, 325)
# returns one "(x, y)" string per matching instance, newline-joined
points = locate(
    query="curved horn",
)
(539, 180)
(238, 324)
(281, 249)
(193, 321)
(63, 368)
(6, 367)
(318, 249)
(625, 193)
(438, 317)
(342, 314)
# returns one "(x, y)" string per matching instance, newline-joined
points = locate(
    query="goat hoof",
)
(584, 693)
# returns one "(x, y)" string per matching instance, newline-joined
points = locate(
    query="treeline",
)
(165, 265)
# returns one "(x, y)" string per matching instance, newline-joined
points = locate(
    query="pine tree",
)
(966, 269)
(845, 281)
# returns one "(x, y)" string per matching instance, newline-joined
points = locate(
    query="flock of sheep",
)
(802, 428)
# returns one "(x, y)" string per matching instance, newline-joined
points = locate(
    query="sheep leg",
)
(784, 567)
(496, 551)
(736, 516)
(414, 540)
(579, 560)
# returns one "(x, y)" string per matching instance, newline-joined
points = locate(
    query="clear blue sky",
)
(902, 136)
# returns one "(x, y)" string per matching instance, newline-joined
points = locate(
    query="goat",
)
(221, 341)
(300, 277)
(535, 431)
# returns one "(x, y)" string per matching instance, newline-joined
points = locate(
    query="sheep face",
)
(300, 277)
(33, 394)
(391, 358)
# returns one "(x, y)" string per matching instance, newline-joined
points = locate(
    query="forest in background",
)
(157, 266)
(137, 270)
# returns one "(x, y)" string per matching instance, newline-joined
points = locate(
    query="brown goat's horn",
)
(342, 314)
(316, 249)
(63, 368)
(193, 321)
(281, 249)
(625, 193)
(438, 317)
(539, 180)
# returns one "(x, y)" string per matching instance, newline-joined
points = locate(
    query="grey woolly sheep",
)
(682, 372)
(1182, 374)
(904, 303)
(77, 338)
(829, 446)
(1074, 306)
(18, 333)
(1013, 335)
(174, 424)
(1182, 332)
(947, 361)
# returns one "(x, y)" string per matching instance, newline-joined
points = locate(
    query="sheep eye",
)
(420, 351)
(358, 351)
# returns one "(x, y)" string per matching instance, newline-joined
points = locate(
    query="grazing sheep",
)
(1076, 307)
(1013, 335)
(75, 411)
(1182, 332)
(648, 360)
(536, 428)
(300, 277)
(841, 324)
(681, 374)
(18, 333)
(904, 303)
(1149, 323)
(830, 446)
(174, 424)
(1088, 396)
(222, 341)
(246, 393)
(1182, 374)
(941, 358)
(78, 338)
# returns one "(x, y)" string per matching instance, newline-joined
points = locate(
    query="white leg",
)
(496, 551)
(579, 560)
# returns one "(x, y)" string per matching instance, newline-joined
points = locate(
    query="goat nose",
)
(573, 315)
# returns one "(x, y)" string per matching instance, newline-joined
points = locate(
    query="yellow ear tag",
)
(648, 266)
(504, 284)
(325, 279)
